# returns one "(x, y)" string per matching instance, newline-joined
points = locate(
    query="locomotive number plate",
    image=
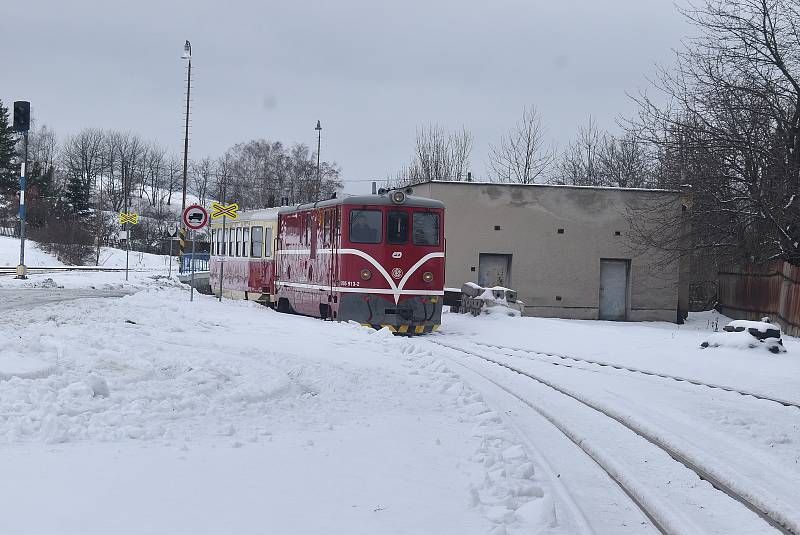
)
(351, 283)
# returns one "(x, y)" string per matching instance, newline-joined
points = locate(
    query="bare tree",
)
(201, 178)
(521, 156)
(731, 129)
(81, 159)
(438, 155)
(579, 164)
(624, 162)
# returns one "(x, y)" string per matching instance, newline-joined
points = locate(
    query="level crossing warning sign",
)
(128, 217)
(224, 210)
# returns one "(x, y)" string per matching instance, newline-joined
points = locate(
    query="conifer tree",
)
(8, 171)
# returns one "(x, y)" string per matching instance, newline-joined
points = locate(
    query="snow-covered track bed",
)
(549, 356)
(60, 269)
(663, 474)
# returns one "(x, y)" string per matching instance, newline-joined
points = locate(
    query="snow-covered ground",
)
(170, 416)
(148, 413)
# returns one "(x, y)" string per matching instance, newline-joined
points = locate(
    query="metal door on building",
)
(494, 270)
(614, 289)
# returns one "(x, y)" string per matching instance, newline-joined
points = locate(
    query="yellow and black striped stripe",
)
(405, 329)
(182, 242)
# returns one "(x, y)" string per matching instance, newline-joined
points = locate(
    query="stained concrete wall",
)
(558, 275)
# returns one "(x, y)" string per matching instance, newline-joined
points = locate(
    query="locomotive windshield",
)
(366, 226)
(397, 228)
(426, 228)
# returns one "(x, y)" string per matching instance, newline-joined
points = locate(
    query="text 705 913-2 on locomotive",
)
(374, 259)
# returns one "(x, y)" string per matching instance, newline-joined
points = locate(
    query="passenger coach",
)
(244, 252)
(374, 259)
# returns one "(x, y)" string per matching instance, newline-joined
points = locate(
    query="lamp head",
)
(187, 51)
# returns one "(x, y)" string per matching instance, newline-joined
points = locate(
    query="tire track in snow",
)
(695, 382)
(764, 508)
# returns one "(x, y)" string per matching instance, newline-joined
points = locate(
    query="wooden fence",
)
(753, 291)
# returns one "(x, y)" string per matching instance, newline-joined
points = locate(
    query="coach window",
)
(245, 240)
(231, 241)
(238, 241)
(397, 228)
(426, 228)
(213, 249)
(268, 242)
(365, 226)
(256, 242)
(326, 228)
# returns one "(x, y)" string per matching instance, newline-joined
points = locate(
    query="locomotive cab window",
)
(426, 228)
(256, 241)
(397, 228)
(366, 226)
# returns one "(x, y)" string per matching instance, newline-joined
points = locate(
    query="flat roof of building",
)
(537, 185)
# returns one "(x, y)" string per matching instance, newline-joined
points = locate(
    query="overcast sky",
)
(371, 71)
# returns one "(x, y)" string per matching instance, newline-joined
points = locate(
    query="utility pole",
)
(187, 54)
(319, 143)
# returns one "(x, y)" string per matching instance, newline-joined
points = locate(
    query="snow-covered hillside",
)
(109, 256)
(9, 254)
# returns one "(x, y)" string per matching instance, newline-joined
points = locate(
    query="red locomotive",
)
(374, 259)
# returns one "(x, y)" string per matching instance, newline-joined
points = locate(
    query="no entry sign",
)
(195, 217)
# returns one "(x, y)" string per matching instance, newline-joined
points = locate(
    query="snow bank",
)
(214, 416)
(14, 365)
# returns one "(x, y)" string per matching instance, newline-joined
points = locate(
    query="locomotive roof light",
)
(409, 191)
(397, 197)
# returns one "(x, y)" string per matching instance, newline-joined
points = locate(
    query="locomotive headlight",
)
(366, 274)
(397, 197)
(427, 276)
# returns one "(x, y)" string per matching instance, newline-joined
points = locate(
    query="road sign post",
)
(128, 218)
(191, 290)
(224, 211)
(195, 217)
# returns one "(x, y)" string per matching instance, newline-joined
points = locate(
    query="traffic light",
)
(22, 116)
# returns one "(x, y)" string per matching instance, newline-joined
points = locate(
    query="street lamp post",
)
(319, 143)
(187, 55)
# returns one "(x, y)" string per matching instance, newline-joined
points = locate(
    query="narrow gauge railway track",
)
(539, 355)
(765, 511)
(6, 270)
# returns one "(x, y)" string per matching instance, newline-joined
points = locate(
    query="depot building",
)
(569, 251)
